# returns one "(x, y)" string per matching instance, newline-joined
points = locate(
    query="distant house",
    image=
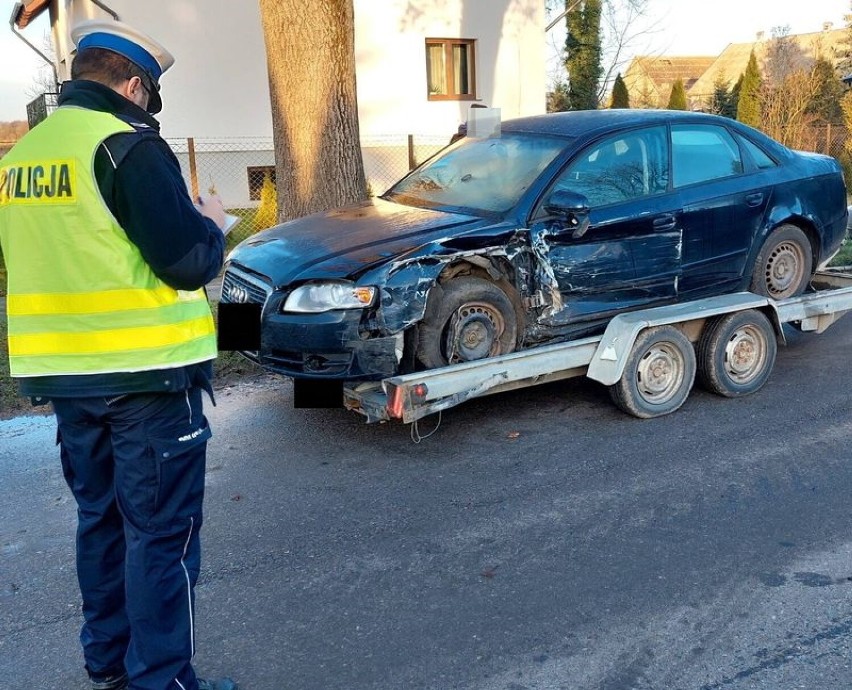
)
(732, 62)
(649, 79)
(420, 66)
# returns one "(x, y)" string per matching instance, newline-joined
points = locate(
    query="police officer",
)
(106, 258)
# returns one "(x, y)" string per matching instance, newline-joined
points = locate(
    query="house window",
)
(450, 72)
(256, 175)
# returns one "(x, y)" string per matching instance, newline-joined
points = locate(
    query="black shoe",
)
(111, 683)
(221, 684)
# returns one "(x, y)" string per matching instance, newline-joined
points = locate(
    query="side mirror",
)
(572, 208)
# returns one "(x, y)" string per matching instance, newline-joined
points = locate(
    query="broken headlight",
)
(317, 297)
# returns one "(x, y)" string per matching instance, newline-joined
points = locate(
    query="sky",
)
(698, 27)
(677, 27)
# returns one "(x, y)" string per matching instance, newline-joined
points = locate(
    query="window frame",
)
(449, 72)
(661, 130)
(255, 175)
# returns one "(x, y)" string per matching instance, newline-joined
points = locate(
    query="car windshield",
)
(486, 175)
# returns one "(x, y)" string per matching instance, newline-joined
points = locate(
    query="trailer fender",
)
(610, 358)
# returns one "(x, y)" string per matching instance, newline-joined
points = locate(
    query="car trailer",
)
(649, 358)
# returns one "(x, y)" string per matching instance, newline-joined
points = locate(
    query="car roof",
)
(583, 122)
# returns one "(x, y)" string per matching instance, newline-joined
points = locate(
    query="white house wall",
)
(390, 53)
(218, 86)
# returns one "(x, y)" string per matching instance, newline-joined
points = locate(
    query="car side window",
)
(703, 152)
(626, 166)
(758, 155)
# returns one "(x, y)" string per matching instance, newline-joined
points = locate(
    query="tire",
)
(659, 374)
(467, 318)
(736, 353)
(784, 265)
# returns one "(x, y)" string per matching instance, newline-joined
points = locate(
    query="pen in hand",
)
(211, 208)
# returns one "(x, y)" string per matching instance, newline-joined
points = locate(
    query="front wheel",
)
(467, 318)
(659, 374)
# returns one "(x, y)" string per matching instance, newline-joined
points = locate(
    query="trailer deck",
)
(612, 360)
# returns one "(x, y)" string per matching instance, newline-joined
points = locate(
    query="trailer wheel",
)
(659, 374)
(468, 318)
(736, 353)
(784, 264)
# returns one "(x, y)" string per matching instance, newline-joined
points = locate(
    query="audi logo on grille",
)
(235, 293)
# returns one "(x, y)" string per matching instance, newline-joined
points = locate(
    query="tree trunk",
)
(310, 51)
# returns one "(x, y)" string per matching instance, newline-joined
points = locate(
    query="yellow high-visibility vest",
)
(80, 298)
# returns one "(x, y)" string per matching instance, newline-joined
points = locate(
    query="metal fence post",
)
(193, 170)
(412, 161)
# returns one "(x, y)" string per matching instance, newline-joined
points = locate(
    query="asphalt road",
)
(540, 539)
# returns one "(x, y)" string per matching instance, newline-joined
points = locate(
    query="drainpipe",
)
(556, 21)
(106, 9)
(16, 11)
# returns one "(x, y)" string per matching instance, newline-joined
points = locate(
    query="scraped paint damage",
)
(545, 272)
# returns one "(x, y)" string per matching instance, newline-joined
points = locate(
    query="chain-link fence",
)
(824, 138)
(242, 171)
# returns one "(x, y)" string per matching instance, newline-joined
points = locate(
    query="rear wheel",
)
(467, 318)
(659, 374)
(784, 264)
(736, 353)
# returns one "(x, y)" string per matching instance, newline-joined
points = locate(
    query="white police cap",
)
(139, 48)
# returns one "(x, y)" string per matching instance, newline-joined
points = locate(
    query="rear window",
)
(703, 152)
(758, 155)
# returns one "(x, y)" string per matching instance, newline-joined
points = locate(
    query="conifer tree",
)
(558, 99)
(748, 107)
(583, 53)
(677, 98)
(620, 97)
(267, 211)
(722, 103)
(735, 96)
(829, 91)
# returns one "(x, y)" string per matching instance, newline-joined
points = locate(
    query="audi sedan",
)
(536, 235)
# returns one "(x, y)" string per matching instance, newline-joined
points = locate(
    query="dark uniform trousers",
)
(135, 465)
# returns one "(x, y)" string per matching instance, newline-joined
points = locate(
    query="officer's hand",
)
(211, 207)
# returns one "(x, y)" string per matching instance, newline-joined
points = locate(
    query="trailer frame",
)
(602, 358)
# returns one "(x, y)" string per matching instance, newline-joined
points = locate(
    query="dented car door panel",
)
(624, 261)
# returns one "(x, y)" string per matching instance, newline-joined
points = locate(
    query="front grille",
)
(239, 287)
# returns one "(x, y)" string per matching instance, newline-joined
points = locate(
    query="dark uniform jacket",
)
(140, 180)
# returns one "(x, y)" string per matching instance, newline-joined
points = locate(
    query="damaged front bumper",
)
(329, 345)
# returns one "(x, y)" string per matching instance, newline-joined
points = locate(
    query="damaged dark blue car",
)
(540, 234)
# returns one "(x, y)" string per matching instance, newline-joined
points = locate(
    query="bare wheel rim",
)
(746, 354)
(660, 373)
(784, 268)
(474, 332)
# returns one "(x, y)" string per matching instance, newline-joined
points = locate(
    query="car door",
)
(724, 202)
(630, 255)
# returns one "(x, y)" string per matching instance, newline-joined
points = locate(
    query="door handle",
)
(666, 221)
(755, 199)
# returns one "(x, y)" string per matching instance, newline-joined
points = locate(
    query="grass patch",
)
(844, 256)
(245, 228)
